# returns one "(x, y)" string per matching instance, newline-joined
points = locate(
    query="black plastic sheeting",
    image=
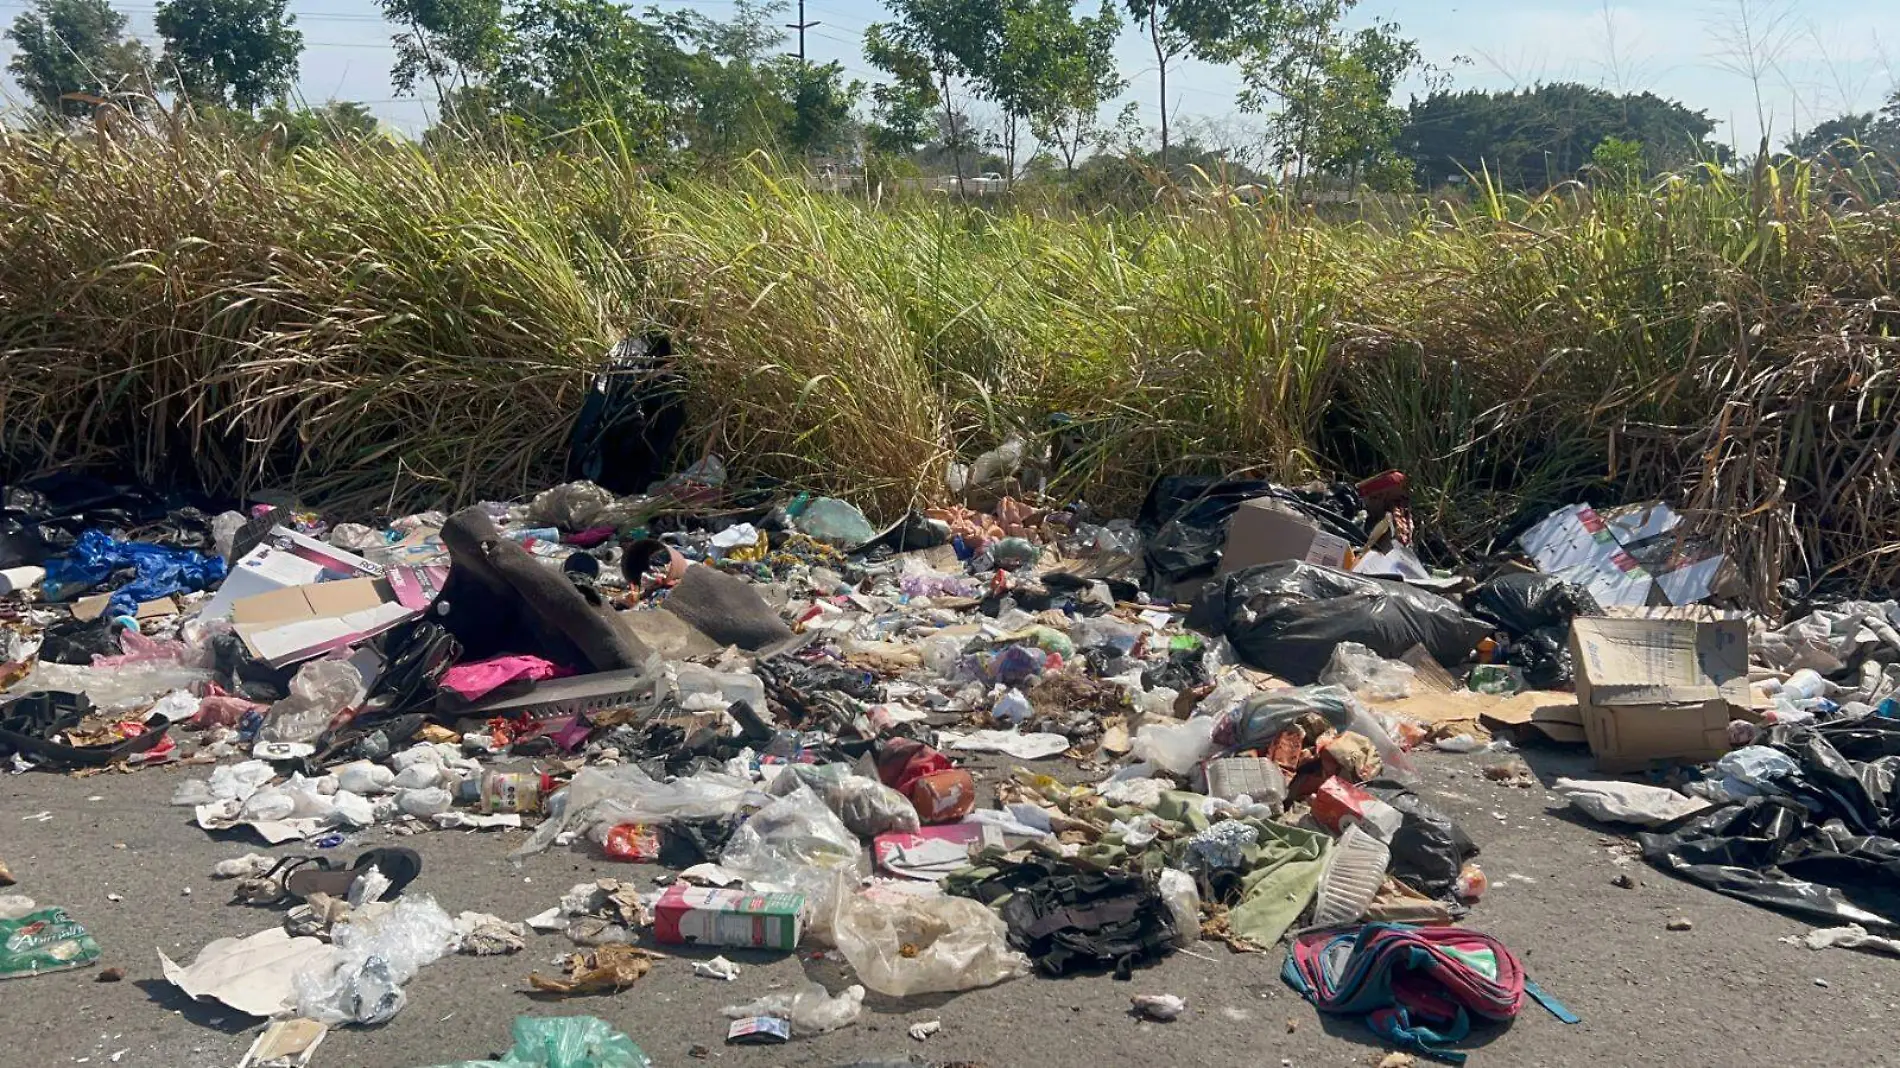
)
(1827, 851)
(43, 517)
(1286, 618)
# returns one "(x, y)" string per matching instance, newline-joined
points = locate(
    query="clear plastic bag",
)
(116, 689)
(626, 794)
(902, 943)
(810, 1010)
(1176, 747)
(1368, 674)
(319, 691)
(376, 957)
(797, 844)
(1183, 899)
(867, 807)
(829, 519)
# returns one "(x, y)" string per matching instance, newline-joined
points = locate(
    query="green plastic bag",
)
(44, 940)
(565, 1042)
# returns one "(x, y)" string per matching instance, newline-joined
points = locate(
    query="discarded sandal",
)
(303, 876)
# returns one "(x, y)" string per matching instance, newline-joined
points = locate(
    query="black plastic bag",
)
(1429, 848)
(624, 434)
(1286, 618)
(1530, 601)
(78, 641)
(1184, 520)
(243, 675)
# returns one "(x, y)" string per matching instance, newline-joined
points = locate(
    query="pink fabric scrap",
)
(476, 680)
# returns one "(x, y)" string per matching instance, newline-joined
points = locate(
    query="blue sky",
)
(1827, 55)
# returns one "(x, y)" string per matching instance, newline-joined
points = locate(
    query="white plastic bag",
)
(902, 943)
(1176, 747)
(365, 778)
(424, 803)
(1613, 801)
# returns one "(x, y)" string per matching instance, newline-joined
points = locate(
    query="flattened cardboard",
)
(1659, 689)
(282, 627)
(283, 560)
(87, 609)
(1552, 714)
(1264, 531)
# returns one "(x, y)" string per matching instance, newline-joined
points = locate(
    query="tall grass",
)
(379, 327)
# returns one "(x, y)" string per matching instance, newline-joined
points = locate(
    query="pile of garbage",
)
(993, 740)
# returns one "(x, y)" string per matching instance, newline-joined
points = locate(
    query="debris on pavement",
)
(1163, 1007)
(999, 739)
(35, 940)
(565, 1042)
(604, 970)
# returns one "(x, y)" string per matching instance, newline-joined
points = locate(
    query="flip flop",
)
(307, 875)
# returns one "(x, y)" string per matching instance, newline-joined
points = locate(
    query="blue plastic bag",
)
(161, 571)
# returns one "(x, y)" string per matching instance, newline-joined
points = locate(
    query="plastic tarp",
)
(1287, 618)
(1824, 849)
(159, 571)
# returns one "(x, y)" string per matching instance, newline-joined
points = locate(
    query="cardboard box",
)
(1264, 531)
(706, 916)
(285, 626)
(1659, 689)
(283, 560)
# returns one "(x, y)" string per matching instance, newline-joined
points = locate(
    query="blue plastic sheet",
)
(160, 571)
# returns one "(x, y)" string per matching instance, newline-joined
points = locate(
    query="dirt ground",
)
(1727, 992)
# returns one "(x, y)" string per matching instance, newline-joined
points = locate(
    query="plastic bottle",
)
(1804, 685)
(507, 791)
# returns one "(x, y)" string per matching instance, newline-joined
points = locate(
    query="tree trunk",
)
(956, 138)
(1161, 65)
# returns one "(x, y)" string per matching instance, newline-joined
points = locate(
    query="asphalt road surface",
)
(1728, 991)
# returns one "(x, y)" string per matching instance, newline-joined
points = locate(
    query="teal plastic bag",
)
(565, 1042)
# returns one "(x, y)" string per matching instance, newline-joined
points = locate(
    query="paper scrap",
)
(252, 975)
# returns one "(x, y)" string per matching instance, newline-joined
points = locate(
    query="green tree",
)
(1617, 162)
(1047, 70)
(444, 41)
(1531, 138)
(1077, 76)
(1328, 94)
(572, 64)
(952, 40)
(69, 53)
(821, 102)
(1211, 30)
(229, 53)
(901, 108)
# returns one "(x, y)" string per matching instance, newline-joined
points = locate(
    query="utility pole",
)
(801, 26)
